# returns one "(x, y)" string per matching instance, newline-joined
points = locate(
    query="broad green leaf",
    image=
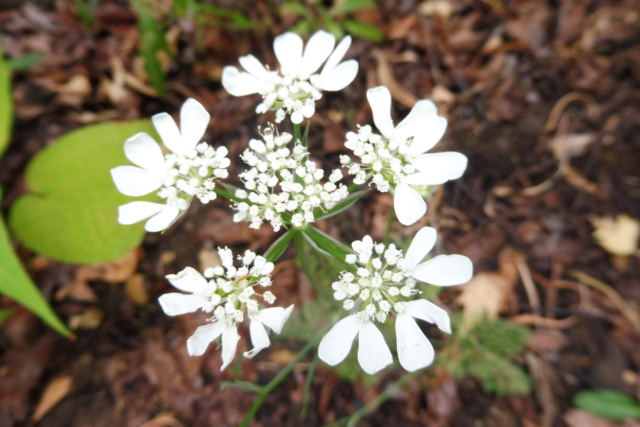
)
(349, 6)
(152, 42)
(6, 104)
(71, 214)
(341, 205)
(280, 245)
(362, 30)
(327, 243)
(17, 285)
(609, 404)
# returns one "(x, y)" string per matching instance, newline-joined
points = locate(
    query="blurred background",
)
(542, 96)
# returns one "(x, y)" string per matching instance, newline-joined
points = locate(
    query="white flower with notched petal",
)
(227, 292)
(397, 159)
(296, 86)
(383, 282)
(188, 172)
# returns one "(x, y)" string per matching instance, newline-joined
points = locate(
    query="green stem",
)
(297, 134)
(307, 386)
(264, 392)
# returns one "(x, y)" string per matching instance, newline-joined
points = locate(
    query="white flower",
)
(293, 89)
(189, 171)
(272, 318)
(227, 292)
(442, 270)
(383, 283)
(282, 184)
(397, 159)
(373, 351)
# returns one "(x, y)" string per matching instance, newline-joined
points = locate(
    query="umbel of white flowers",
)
(384, 282)
(295, 87)
(227, 292)
(282, 180)
(398, 160)
(188, 171)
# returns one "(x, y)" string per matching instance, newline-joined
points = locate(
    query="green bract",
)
(71, 213)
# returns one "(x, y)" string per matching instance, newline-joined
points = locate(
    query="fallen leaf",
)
(55, 391)
(619, 236)
(580, 418)
(135, 289)
(88, 319)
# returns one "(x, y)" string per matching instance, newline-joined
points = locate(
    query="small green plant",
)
(338, 20)
(608, 404)
(486, 352)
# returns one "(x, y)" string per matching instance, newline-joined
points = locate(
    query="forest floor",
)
(542, 97)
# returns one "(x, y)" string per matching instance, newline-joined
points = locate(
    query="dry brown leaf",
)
(135, 289)
(566, 147)
(55, 391)
(617, 236)
(208, 258)
(88, 319)
(486, 293)
(580, 418)
(163, 419)
(388, 79)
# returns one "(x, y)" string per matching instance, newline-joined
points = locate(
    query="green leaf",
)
(71, 214)
(609, 404)
(24, 62)
(341, 206)
(5, 313)
(152, 42)
(349, 6)
(297, 8)
(17, 285)
(280, 245)
(241, 385)
(326, 243)
(6, 104)
(362, 30)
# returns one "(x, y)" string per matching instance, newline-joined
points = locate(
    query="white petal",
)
(373, 351)
(168, 131)
(340, 77)
(239, 83)
(336, 56)
(431, 131)
(429, 312)
(163, 219)
(230, 338)
(414, 349)
(317, 50)
(188, 280)
(421, 245)
(133, 181)
(408, 204)
(438, 168)
(288, 49)
(133, 212)
(175, 304)
(415, 120)
(380, 102)
(198, 342)
(444, 270)
(335, 346)
(275, 317)
(259, 338)
(194, 120)
(254, 67)
(296, 117)
(143, 151)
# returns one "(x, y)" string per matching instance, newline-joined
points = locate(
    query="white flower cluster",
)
(282, 186)
(294, 89)
(397, 159)
(383, 282)
(188, 171)
(227, 292)
(193, 175)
